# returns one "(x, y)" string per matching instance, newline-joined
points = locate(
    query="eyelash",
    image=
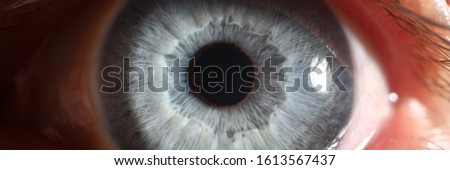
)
(436, 51)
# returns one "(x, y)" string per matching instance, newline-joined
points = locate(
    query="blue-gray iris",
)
(150, 39)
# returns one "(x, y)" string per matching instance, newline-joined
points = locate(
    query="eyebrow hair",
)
(437, 47)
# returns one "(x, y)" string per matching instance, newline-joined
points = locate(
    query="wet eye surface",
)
(221, 75)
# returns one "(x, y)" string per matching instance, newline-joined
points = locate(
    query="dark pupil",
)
(221, 74)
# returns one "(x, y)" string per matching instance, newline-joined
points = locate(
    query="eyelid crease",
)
(433, 47)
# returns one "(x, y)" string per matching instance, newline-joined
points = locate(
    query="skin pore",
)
(48, 99)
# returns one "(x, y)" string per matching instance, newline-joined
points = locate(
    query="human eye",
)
(59, 99)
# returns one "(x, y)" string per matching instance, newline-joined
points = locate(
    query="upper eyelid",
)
(438, 47)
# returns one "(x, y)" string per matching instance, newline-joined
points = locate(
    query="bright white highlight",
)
(320, 74)
(393, 97)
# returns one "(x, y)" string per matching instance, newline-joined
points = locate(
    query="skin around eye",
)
(50, 102)
(25, 100)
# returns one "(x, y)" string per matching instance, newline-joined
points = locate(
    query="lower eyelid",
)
(412, 127)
